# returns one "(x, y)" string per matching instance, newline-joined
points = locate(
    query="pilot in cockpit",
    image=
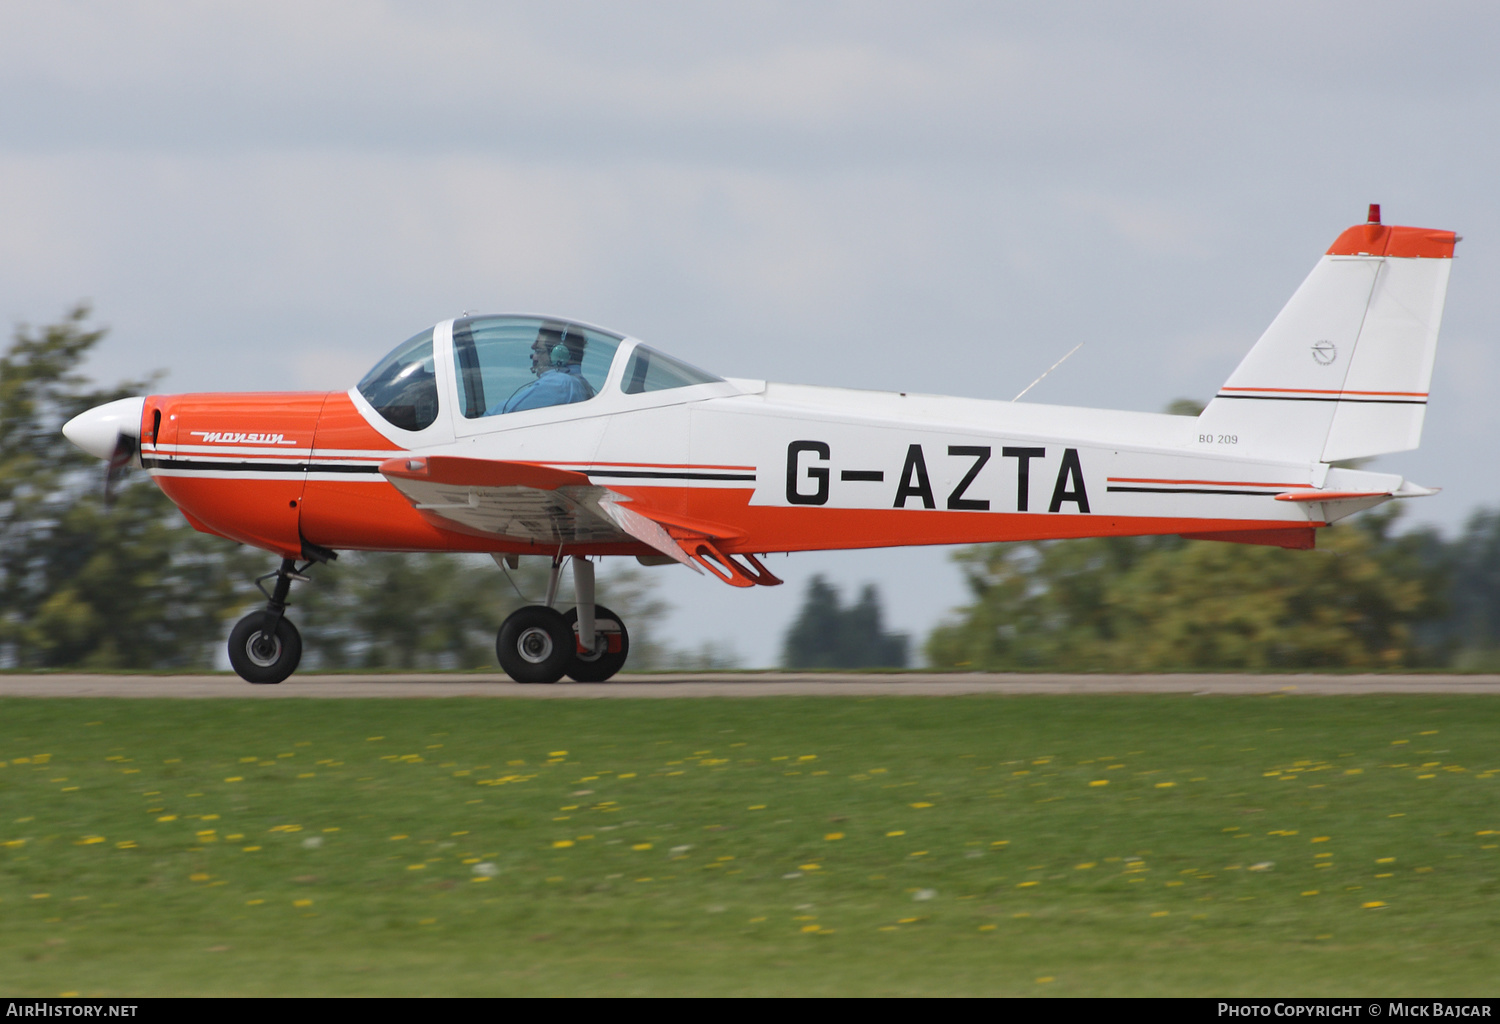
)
(557, 361)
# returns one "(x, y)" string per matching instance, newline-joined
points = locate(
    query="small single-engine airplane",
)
(535, 435)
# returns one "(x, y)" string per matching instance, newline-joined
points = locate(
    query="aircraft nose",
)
(97, 430)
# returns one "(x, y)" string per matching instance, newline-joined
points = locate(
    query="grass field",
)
(965, 845)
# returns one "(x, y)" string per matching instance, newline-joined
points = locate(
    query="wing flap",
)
(525, 501)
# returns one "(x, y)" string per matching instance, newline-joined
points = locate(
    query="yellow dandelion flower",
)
(641, 846)
(198, 877)
(898, 832)
(1372, 905)
(302, 903)
(562, 844)
(1160, 913)
(830, 837)
(253, 903)
(988, 927)
(1045, 980)
(1099, 782)
(808, 867)
(921, 804)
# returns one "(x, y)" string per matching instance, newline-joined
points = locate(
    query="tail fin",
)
(1343, 370)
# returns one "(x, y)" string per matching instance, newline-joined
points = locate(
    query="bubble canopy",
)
(509, 364)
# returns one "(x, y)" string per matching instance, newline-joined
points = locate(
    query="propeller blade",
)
(119, 461)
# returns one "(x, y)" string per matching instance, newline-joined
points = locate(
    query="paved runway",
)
(735, 684)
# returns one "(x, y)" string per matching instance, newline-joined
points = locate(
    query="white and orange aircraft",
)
(535, 435)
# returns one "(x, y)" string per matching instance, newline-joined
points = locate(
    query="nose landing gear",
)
(264, 646)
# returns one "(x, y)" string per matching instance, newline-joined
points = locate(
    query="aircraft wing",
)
(527, 502)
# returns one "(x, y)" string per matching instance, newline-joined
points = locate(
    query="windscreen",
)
(403, 387)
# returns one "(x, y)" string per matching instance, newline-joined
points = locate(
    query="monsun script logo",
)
(1324, 352)
(230, 437)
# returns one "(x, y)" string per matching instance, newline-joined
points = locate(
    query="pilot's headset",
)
(561, 355)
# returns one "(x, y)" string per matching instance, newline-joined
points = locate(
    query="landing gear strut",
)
(264, 646)
(536, 644)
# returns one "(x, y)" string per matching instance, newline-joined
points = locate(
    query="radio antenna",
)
(1048, 370)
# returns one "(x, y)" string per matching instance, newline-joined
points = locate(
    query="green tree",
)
(825, 634)
(132, 586)
(1164, 604)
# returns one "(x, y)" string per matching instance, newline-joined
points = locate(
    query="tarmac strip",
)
(734, 684)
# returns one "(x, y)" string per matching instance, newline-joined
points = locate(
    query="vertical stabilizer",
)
(1343, 370)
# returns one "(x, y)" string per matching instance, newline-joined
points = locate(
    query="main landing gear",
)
(538, 644)
(264, 646)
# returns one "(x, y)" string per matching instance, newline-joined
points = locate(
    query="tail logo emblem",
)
(1324, 352)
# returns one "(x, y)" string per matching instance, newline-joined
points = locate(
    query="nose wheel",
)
(262, 651)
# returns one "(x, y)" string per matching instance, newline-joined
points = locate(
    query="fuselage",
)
(760, 467)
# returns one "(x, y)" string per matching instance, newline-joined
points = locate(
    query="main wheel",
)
(534, 645)
(611, 646)
(261, 655)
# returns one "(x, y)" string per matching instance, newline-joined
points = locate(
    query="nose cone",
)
(97, 430)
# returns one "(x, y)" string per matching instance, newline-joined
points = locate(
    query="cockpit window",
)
(403, 387)
(511, 364)
(649, 370)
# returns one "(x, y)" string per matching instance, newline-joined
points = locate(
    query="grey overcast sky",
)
(939, 197)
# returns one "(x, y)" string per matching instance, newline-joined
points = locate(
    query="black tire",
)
(534, 645)
(264, 656)
(597, 668)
